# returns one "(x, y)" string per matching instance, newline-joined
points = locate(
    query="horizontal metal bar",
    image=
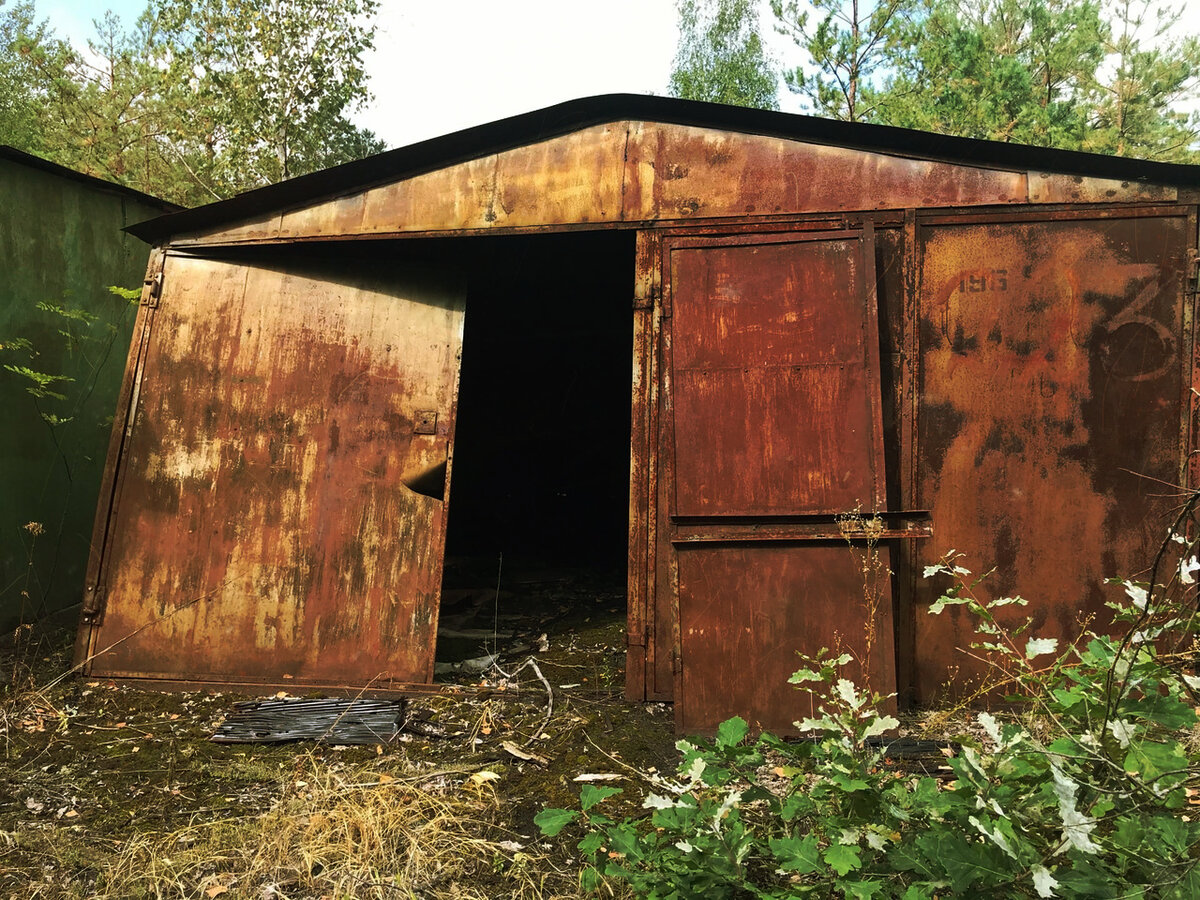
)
(974, 216)
(250, 687)
(782, 237)
(851, 529)
(885, 516)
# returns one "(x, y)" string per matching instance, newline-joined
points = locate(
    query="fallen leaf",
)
(598, 776)
(479, 779)
(384, 778)
(217, 890)
(71, 814)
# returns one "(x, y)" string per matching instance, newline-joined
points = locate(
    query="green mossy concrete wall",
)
(61, 242)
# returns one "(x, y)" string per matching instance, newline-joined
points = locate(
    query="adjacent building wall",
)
(62, 244)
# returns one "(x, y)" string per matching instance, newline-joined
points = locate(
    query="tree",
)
(1135, 105)
(202, 99)
(1044, 72)
(1005, 70)
(720, 57)
(273, 81)
(105, 112)
(849, 42)
(20, 123)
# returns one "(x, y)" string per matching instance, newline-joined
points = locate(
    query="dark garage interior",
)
(541, 451)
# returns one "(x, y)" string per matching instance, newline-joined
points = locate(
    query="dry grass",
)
(108, 792)
(333, 833)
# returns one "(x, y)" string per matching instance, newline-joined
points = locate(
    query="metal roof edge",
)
(573, 115)
(53, 168)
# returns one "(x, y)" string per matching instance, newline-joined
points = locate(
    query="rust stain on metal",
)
(262, 528)
(1053, 187)
(632, 172)
(746, 609)
(643, 377)
(1048, 422)
(731, 174)
(773, 391)
(775, 425)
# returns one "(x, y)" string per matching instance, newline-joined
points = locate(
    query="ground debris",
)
(513, 750)
(336, 721)
(152, 807)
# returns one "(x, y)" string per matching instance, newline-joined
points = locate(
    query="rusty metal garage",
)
(843, 339)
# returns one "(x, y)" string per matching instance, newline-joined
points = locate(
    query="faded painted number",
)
(983, 280)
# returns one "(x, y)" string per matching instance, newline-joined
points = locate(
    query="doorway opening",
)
(539, 487)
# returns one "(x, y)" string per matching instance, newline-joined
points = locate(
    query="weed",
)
(1079, 787)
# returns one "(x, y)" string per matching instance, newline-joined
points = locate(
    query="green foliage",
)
(130, 294)
(42, 382)
(268, 84)
(1077, 788)
(202, 99)
(1007, 70)
(83, 342)
(720, 57)
(1098, 75)
(20, 123)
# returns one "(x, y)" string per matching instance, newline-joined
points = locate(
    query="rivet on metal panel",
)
(425, 422)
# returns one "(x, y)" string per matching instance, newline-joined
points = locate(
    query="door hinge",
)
(93, 604)
(152, 289)
(651, 300)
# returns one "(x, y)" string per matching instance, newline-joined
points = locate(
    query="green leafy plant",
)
(77, 327)
(1077, 786)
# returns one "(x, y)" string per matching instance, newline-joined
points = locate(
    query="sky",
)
(442, 65)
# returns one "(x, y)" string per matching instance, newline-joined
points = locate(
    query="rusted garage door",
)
(774, 388)
(1056, 380)
(279, 505)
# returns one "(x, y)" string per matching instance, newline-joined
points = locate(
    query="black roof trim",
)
(100, 184)
(574, 115)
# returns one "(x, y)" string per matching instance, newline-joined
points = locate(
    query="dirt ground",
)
(106, 791)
